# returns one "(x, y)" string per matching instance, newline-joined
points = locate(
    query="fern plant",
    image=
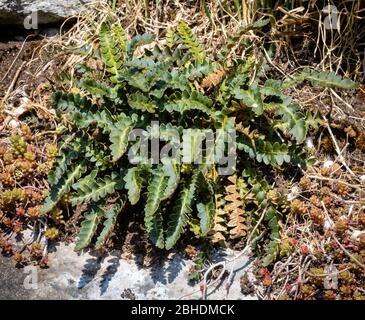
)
(179, 86)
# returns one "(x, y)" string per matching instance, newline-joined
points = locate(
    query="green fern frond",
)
(109, 223)
(133, 183)
(152, 218)
(173, 80)
(169, 132)
(242, 73)
(275, 154)
(66, 155)
(206, 212)
(119, 137)
(172, 171)
(295, 120)
(225, 125)
(96, 190)
(102, 119)
(155, 230)
(192, 42)
(251, 98)
(120, 37)
(264, 151)
(96, 88)
(139, 40)
(85, 181)
(63, 186)
(273, 218)
(321, 79)
(139, 101)
(88, 228)
(260, 186)
(137, 80)
(60, 167)
(179, 217)
(272, 88)
(192, 145)
(171, 38)
(69, 150)
(110, 52)
(197, 70)
(69, 102)
(145, 63)
(186, 102)
(205, 204)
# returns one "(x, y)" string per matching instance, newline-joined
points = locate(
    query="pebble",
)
(328, 164)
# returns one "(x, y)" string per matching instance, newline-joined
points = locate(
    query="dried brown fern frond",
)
(214, 78)
(234, 208)
(219, 229)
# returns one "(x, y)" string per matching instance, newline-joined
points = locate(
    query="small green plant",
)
(22, 190)
(181, 88)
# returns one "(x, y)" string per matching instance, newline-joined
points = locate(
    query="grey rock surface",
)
(11, 281)
(46, 11)
(91, 276)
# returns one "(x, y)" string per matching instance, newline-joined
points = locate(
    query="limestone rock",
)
(14, 12)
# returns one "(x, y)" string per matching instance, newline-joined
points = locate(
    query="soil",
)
(18, 53)
(14, 58)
